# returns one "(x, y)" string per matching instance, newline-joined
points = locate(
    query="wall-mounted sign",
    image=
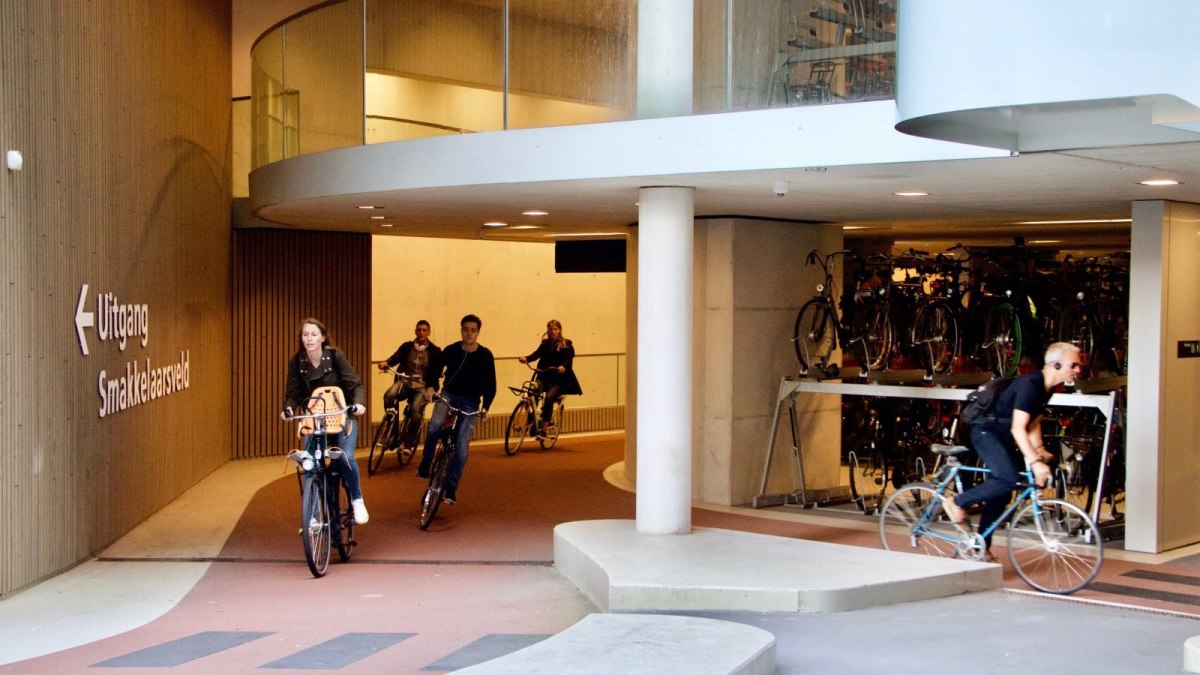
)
(1188, 349)
(122, 322)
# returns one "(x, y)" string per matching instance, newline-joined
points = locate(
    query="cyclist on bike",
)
(319, 364)
(555, 356)
(414, 357)
(1014, 423)
(470, 385)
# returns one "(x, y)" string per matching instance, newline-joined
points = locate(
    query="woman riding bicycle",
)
(1014, 423)
(317, 364)
(555, 356)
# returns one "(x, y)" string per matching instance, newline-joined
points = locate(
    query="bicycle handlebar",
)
(400, 374)
(460, 411)
(288, 416)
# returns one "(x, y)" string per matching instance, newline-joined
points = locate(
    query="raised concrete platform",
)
(632, 644)
(620, 569)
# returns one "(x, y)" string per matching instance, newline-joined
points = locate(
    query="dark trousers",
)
(553, 394)
(996, 447)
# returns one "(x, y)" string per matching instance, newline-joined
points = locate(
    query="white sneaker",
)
(360, 512)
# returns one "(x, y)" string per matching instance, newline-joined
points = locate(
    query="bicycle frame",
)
(1028, 491)
(447, 448)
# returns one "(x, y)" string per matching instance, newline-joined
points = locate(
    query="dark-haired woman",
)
(318, 364)
(554, 357)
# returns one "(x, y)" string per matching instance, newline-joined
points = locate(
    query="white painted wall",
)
(513, 288)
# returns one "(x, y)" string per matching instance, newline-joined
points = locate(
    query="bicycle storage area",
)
(909, 388)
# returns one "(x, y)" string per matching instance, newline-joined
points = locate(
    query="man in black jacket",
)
(415, 357)
(470, 371)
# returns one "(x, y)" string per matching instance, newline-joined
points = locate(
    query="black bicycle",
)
(326, 517)
(525, 422)
(400, 431)
(447, 447)
(819, 328)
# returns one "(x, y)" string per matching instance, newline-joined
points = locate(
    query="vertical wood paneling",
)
(121, 109)
(282, 277)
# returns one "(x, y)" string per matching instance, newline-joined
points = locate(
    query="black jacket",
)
(549, 355)
(335, 371)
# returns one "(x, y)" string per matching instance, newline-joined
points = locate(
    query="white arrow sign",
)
(83, 319)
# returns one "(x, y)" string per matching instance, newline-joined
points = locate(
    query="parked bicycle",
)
(819, 327)
(1052, 544)
(325, 514)
(400, 430)
(447, 447)
(524, 422)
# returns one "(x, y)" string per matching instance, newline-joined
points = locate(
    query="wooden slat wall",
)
(281, 277)
(121, 109)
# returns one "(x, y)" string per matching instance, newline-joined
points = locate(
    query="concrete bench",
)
(633, 644)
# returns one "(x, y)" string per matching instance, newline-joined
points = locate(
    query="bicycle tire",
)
(550, 436)
(314, 525)
(935, 337)
(519, 422)
(1002, 338)
(1077, 327)
(1070, 486)
(341, 518)
(874, 331)
(912, 521)
(434, 493)
(868, 476)
(814, 334)
(404, 450)
(380, 443)
(1058, 551)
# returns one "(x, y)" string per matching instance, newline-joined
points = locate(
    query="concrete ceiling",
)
(976, 201)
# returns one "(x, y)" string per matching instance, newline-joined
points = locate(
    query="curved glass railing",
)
(354, 72)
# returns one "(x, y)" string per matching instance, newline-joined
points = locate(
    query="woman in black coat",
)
(554, 356)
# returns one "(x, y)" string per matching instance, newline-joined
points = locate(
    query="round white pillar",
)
(664, 354)
(664, 58)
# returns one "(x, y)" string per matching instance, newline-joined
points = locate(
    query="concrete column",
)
(664, 58)
(664, 346)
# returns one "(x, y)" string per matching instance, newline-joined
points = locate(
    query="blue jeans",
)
(995, 446)
(345, 440)
(466, 423)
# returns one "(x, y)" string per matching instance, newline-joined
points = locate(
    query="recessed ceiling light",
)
(1159, 182)
(495, 223)
(378, 217)
(1046, 241)
(854, 227)
(525, 227)
(1075, 222)
(368, 207)
(911, 194)
(386, 224)
(535, 213)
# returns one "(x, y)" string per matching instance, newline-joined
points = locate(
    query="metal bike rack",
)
(939, 388)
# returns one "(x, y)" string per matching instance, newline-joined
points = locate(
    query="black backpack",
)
(979, 403)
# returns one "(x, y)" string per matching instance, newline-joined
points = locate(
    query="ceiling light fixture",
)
(378, 217)
(535, 213)
(495, 223)
(1075, 222)
(911, 194)
(1046, 241)
(368, 207)
(1159, 182)
(386, 224)
(561, 235)
(525, 227)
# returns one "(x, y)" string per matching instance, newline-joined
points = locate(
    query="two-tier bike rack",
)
(912, 385)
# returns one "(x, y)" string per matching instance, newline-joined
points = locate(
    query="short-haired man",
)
(414, 357)
(1014, 423)
(470, 385)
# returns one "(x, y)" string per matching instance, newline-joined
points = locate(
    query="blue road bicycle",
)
(1052, 544)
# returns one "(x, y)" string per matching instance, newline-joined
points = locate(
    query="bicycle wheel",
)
(410, 439)
(814, 334)
(314, 525)
(432, 498)
(550, 436)
(868, 476)
(1054, 546)
(912, 521)
(935, 337)
(1002, 340)
(1076, 327)
(518, 427)
(341, 519)
(379, 444)
(874, 334)
(1071, 485)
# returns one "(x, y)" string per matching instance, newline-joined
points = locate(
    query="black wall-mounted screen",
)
(600, 255)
